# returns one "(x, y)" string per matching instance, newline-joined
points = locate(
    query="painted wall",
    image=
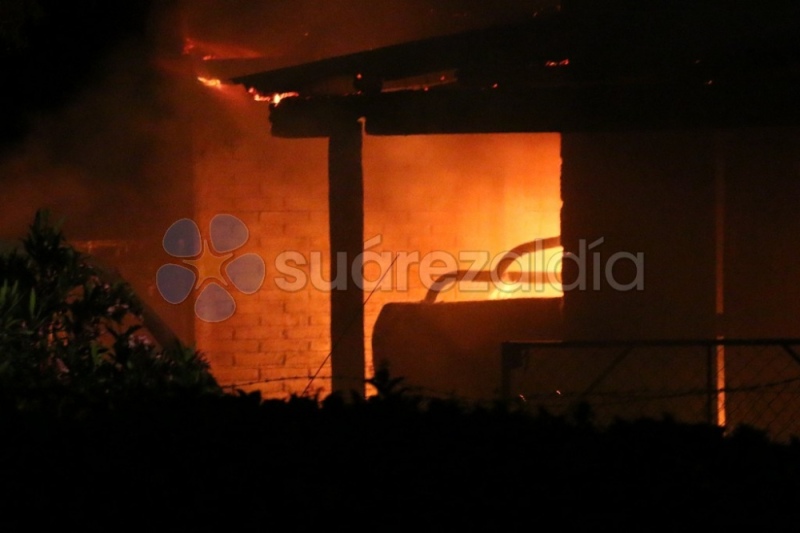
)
(641, 193)
(660, 194)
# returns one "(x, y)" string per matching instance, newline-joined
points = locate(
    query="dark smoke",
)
(97, 114)
(292, 31)
(104, 106)
(104, 116)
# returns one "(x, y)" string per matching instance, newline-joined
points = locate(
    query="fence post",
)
(510, 358)
(711, 382)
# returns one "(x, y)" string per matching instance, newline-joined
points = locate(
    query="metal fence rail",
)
(728, 382)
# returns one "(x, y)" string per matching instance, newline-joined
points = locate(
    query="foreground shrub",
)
(69, 334)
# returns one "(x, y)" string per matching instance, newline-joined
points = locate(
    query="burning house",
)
(600, 198)
(651, 153)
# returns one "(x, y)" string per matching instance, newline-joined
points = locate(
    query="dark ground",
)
(240, 463)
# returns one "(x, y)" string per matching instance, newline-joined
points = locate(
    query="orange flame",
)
(272, 98)
(207, 50)
(210, 82)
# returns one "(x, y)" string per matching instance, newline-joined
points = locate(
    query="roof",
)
(586, 66)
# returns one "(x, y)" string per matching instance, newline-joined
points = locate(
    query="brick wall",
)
(422, 194)
(276, 339)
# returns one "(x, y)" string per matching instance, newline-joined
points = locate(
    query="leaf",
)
(96, 352)
(32, 303)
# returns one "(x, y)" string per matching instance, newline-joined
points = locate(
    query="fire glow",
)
(210, 82)
(274, 98)
(532, 276)
(513, 198)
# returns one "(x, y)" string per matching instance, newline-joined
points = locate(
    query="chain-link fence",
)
(729, 382)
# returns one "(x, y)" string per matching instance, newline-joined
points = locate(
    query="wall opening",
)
(436, 203)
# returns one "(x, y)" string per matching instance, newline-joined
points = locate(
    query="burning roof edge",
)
(549, 74)
(503, 45)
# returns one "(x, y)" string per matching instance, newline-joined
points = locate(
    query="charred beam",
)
(565, 108)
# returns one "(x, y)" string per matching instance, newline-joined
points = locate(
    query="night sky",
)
(50, 50)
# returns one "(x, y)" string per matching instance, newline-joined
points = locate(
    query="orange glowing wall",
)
(423, 194)
(648, 193)
(465, 198)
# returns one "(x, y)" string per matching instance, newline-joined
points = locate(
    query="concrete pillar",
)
(346, 231)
